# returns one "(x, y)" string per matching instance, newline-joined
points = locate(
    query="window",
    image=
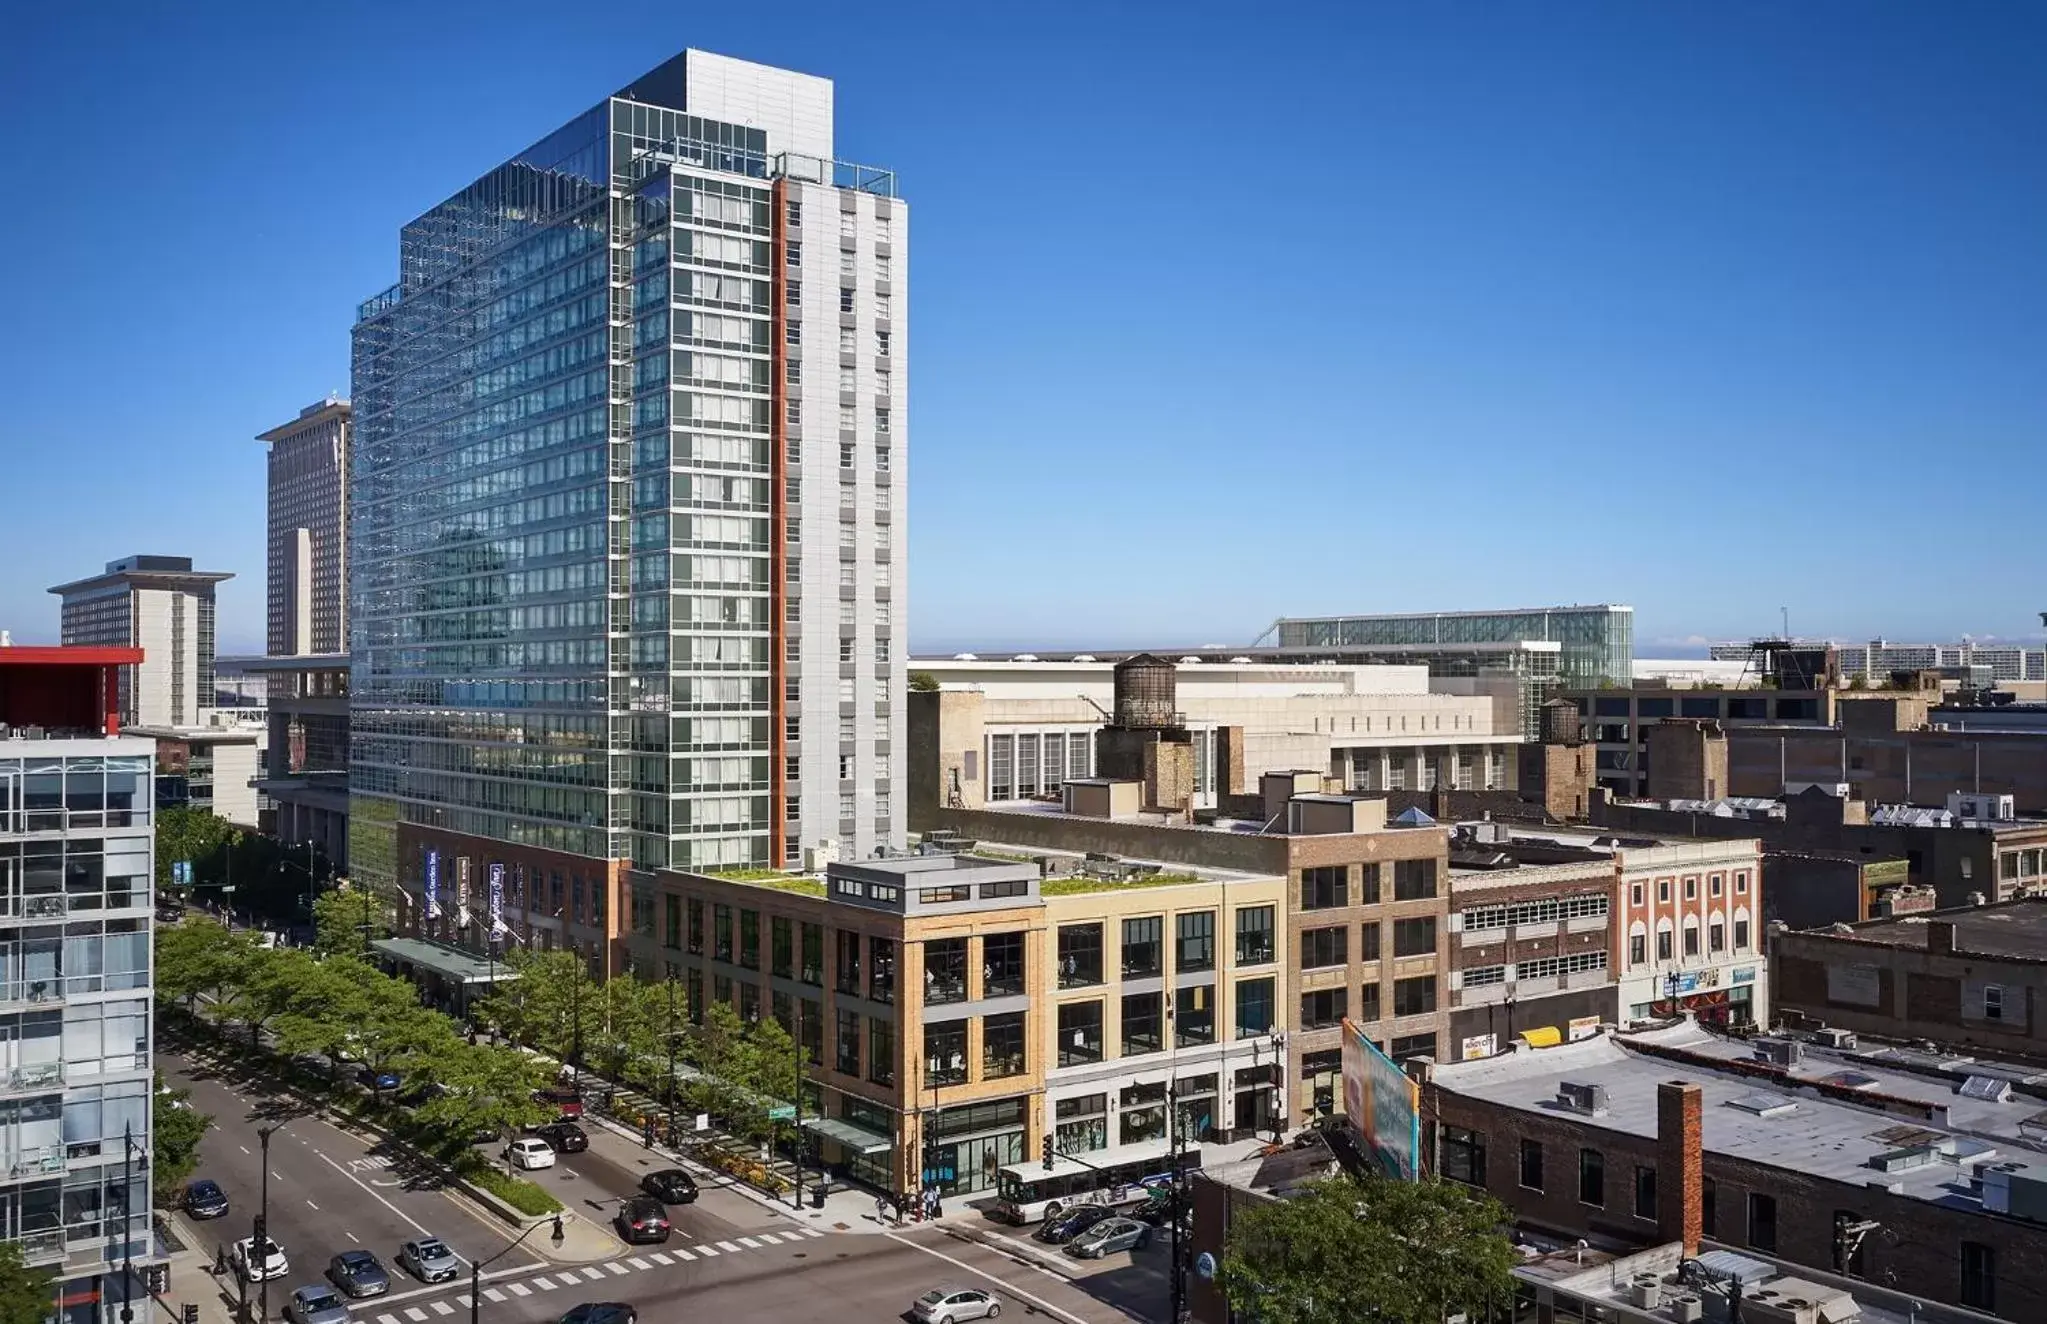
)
(1325, 947)
(1717, 883)
(1663, 890)
(812, 969)
(1368, 1003)
(1197, 942)
(1415, 937)
(1080, 1033)
(881, 344)
(1645, 1193)
(721, 931)
(1638, 948)
(1194, 1016)
(1002, 1045)
(881, 1051)
(781, 948)
(1326, 1007)
(881, 970)
(1414, 997)
(1591, 1177)
(1368, 884)
(1464, 1155)
(848, 1059)
(945, 971)
(695, 909)
(1692, 888)
(1325, 888)
(1716, 937)
(1368, 950)
(1531, 1165)
(1663, 944)
(1142, 941)
(1635, 894)
(1741, 935)
(1979, 1276)
(1741, 884)
(1691, 941)
(1414, 880)
(1762, 1221)
(1080, 955)
(945, 1054)
(1141, 1016)
(1083, 1124)
(1254, 1007)
(1002, 965)
(1993, 1002)
(1254, 935)
(1405, 1046)
(750, 939)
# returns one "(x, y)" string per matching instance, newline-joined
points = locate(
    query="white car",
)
(529, 1153)
(950, 1305)
(260, 1267)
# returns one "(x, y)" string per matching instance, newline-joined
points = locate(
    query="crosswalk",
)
(558, 1279)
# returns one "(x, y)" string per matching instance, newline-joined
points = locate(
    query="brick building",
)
(1974, 978)
(1800, 1149)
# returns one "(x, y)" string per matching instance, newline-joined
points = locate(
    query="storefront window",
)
(1083, 1124)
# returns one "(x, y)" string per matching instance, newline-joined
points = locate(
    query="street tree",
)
(1378, 1251)
(772, 1076)
(201, 958)
(269, 988)
(190, 836)
(175, 1129)
(394, 1031)
(552, 1004)
(340, 916)
(27, 1296)
(635, 1016)
(485, 1088)
(326, 1004)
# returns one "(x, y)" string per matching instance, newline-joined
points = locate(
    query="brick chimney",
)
(1680, 1215)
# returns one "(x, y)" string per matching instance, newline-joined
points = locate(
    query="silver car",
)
(430, 1259)
(1109, 1236)
(319, 1304)
(947, 1305)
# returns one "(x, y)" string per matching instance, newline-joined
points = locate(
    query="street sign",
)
(782, 1112)
(703, 1122)
(181, 873)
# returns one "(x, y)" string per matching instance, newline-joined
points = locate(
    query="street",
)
(331, 1191)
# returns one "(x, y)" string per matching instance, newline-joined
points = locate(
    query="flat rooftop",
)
(2013, 928)
(1071, 871)
(1787, 1122)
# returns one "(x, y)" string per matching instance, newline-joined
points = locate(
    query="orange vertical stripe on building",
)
(778, 534)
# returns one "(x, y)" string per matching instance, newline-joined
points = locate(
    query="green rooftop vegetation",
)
(775, 878)
(1075, 886)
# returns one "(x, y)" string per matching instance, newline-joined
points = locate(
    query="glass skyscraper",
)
(626, 497)
(1597, 643)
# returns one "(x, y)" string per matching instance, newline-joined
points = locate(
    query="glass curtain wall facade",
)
(1598, 642)
(565, 505)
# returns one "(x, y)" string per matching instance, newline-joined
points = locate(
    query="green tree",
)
(771, 1077)
(325, 1005)
(923, 681)
(269, 987)
(194, 836)
(552, 1005)
(27, 1296)
(175, 1129)
(201, 958)
(1380, 1251)
(339, 915)
(484, 1088)
(394, 1032)
(635, 1015)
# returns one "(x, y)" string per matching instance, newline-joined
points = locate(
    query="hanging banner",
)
(497, 899)
(433, 884)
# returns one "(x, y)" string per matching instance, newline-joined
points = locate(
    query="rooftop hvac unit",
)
(1834, 1038)
(1587, 1099)
(1780, 1052)
(1980, 806)
(1685, 1310)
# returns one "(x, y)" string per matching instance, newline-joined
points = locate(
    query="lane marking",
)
(410, 1221)
(1004, 1284)
(244, 1149)
(750, 1243)
(637, 1262)
(387, 1319)
(593, 1274)
(351, 1236)
(544, 1284)
(615, 1267)
(793, 1236)
(415, 1314)
(492, 1294)
(311, 1205)
(728, 1246)
(275, 1175)
(518, 1289)
(463, 1299)
(707, 1251)
(811, 1232)
(443, 1308)
(661, 1257)
(568, 1280)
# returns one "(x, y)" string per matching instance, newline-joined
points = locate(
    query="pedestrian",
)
(647, 1134)
(881, 1209)
(220, 1262)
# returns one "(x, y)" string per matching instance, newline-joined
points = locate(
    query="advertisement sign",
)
(433, 884)
(1382, 1104)
(1583, 1027)
(1480, 1045)
(462, 882)
(497, 899)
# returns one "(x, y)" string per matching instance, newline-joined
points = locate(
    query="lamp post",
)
(259, 1244)
(128, 1221)
(797, 1095)
(576, 973)
(477, 1267)
(669, 1084)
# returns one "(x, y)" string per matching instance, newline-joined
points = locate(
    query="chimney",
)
(1940, 938)
(1680, 1216)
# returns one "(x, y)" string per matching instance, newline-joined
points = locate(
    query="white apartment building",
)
(163, 606)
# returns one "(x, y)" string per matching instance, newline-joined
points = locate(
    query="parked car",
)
(1161, 1207)
(319, 1304)
(529, 1153)
(642, 1220)
(670, 1186)
(1071, 1222)
(564, 1137)
(263, 1266)
(601, 1312)
(949, 1305)
(564, 1098)
(380, 1080)
(205, 1199)
(358, 1273)
(1107, 1237)
(430, 1259)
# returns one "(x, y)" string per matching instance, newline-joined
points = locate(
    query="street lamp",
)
(670, 1086)
(128, 1220)
(476, 1267)
(259, 1245)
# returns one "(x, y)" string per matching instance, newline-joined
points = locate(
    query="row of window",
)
(1715, 940)
(1331, 946)
(1336, 885)
(1716, 885)
(1549, 910)
(1546, 967)
(1142, 953)
(1415, 996)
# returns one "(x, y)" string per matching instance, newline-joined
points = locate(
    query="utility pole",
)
(128, 1223)
(797, 1095)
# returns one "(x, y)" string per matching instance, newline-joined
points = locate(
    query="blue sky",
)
(1218, 312)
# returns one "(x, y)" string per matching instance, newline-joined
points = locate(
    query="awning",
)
(1542, 1036)
(454, 963)
(854, 1137)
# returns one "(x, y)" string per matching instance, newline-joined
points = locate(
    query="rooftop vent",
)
(1985, 1089)
(1833, 1038)
(1580, 1098)
(1763, 1104)
(1851, 1080)
(1904, 1160)
(1780, 1052)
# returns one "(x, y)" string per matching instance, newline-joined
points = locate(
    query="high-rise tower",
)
(626, 496)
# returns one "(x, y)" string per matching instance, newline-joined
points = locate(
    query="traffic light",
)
(191, 1312)
(1047, 1143)
(261, 1242)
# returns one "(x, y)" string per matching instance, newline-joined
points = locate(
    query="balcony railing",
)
(42, 1247)
(32, 1076)
(42, 905)
(46, 1158)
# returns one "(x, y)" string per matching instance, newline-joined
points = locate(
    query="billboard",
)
(497, 899)
(1383, 1105)
(433, 884)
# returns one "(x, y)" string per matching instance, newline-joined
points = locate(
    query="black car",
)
(670, 1186)
(642, 1221)
(601, 1312)
(1072, 1222)
(564, 1137)
(205, 1199)
(1163, 1206)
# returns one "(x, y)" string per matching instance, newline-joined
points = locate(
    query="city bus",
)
(1028, 1193)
